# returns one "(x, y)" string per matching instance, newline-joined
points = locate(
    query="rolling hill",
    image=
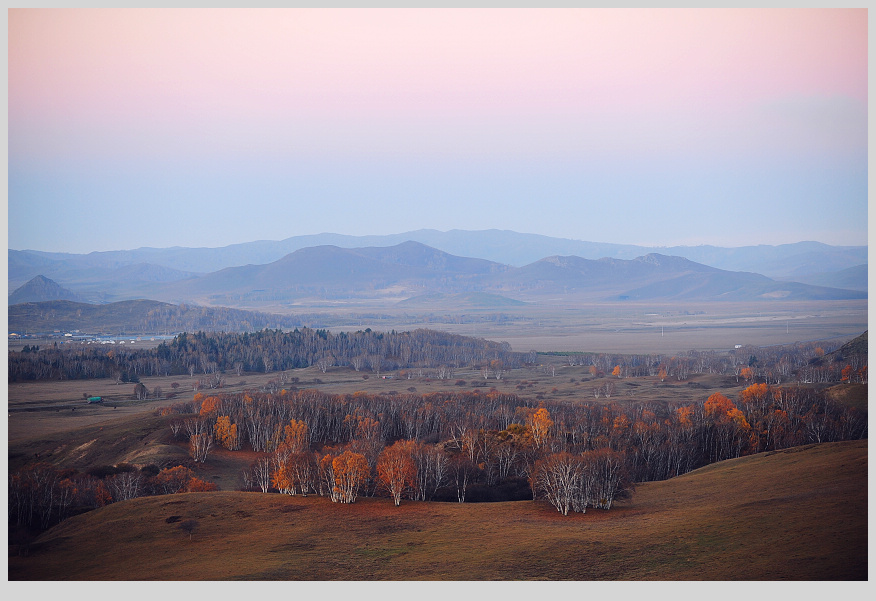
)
(797, 514)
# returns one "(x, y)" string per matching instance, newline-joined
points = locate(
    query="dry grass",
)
(799, 514)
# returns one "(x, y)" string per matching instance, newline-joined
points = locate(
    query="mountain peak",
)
(40, 288)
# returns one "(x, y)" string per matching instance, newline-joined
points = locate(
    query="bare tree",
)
(376, 363)
(199, 446)
(189, 526)
(125, 485)
(261, 473)
(323, 363)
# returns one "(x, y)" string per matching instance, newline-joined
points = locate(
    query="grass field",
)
(799, 514)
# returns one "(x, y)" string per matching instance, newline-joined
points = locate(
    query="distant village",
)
(57, 336)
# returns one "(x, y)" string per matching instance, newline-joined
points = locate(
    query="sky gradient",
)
(188, 127)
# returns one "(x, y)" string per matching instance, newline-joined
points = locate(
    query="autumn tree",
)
(397, 470)
(350, 472)
(540, 424)
(729, 431)
(174, 479)
(210, 406)
(225, 433)
(198, 485)
(296, 438)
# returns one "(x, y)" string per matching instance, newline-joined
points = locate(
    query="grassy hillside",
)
(799, 514)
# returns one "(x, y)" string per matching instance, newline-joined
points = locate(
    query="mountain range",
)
(791, 261)
(411, 270)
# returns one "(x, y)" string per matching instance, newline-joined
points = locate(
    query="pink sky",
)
(460, 85)
(170, 65)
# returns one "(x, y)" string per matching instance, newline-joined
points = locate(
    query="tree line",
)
(460, 446)
(443, 446)
(212, 354)
(266, 351)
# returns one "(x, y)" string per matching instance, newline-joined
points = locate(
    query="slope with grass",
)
(798, 514)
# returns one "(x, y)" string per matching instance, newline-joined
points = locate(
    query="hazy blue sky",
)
(132, 128)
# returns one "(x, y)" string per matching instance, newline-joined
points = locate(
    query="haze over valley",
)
(410, 283)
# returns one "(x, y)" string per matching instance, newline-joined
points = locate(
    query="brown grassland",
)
(798, 514)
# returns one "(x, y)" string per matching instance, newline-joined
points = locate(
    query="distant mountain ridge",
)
(851, 278)
(411, 269)
(499, 246)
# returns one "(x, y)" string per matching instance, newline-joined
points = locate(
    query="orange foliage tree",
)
(295, 472)
(174, 479)
(225, 433)
(540, 424)
(198, 485)
(350, 472)
(210, 405)
(717, 405)
(296, 437)
(396, 468)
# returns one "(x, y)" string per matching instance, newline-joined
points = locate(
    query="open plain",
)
(576, 325)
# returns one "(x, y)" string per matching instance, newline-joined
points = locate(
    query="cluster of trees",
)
(41, 495)
(438, 446)
(448, 446)
(213, 353)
